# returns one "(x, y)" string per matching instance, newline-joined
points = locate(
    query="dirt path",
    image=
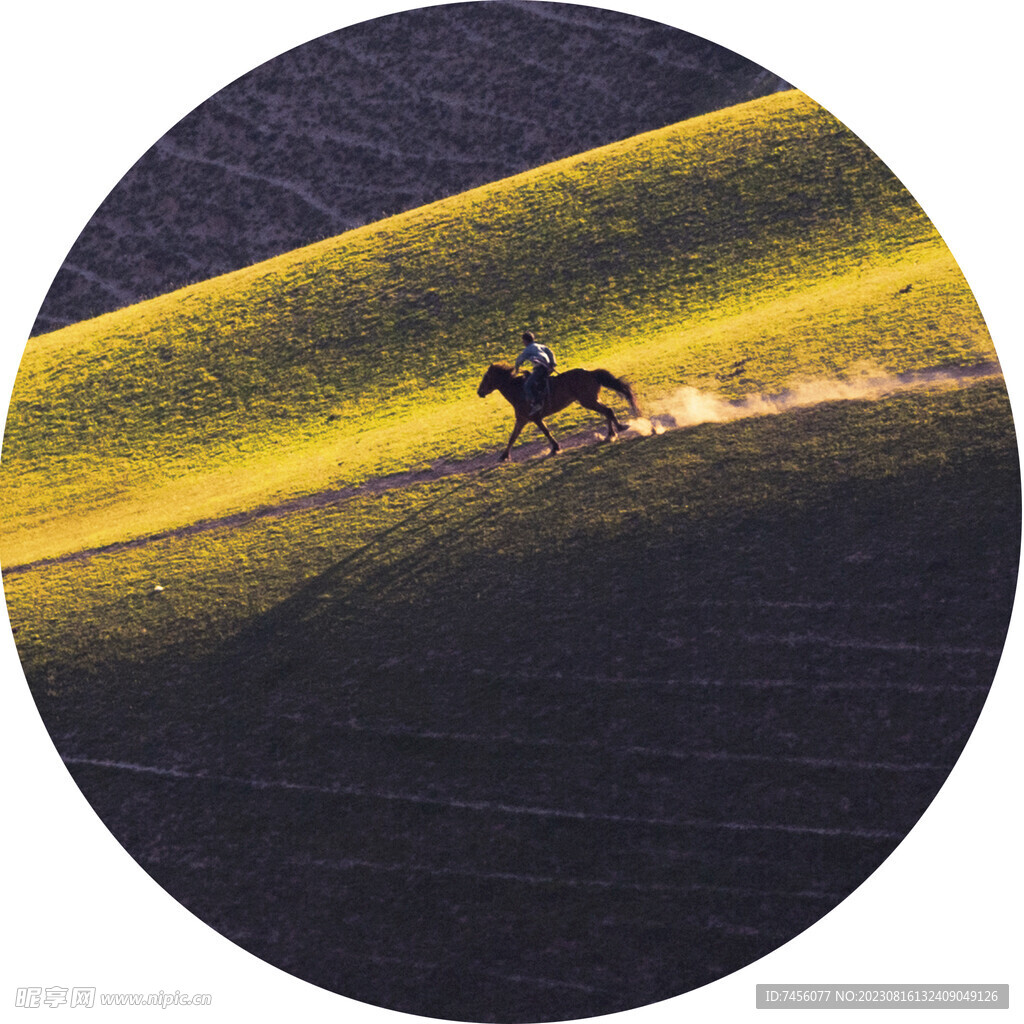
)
(687, 407)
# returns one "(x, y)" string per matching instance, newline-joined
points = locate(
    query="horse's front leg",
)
(555, 446)
(519, 424)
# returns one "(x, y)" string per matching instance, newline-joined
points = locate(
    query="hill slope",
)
(580, 734)
(766, 233)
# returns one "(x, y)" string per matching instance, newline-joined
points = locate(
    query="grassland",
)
(766, 233)
(555, 738)
(393, 553)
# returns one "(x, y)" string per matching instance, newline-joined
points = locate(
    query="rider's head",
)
(528, 338)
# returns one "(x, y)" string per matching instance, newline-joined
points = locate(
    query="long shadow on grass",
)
(580, 736)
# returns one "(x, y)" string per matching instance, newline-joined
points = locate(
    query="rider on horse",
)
(543, 360)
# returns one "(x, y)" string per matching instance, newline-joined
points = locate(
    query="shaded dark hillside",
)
(486, 772)
(379, 118)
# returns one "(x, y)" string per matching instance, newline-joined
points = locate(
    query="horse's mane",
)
(504, 368)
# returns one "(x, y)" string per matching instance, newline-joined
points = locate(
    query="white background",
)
(88, 87)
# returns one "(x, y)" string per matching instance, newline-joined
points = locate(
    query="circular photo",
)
(511, 512)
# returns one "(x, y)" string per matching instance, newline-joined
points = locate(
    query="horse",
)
(563, 389)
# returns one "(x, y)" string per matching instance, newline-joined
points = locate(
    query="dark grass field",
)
(581, 734)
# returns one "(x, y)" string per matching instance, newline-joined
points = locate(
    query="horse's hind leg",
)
(555, 446)
(608, 414)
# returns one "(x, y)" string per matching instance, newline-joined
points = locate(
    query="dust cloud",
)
(689, 406)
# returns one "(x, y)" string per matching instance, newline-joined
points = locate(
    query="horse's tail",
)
(607, 380)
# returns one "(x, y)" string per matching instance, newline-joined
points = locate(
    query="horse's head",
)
(496, 372)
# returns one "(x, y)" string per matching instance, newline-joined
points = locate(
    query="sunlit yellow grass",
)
(246, 482)
(765, 233)
(823, 331)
